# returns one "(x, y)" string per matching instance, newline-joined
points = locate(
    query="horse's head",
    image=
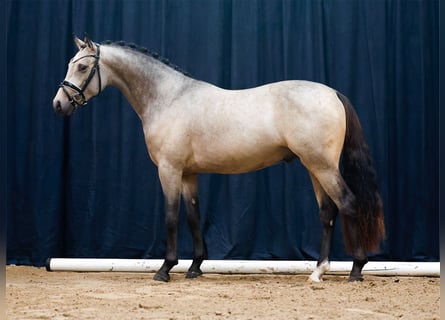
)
(82, 80)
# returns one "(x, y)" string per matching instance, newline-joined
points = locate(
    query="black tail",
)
(360, 176)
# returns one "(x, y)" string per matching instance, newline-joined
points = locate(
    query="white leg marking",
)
(317, 274)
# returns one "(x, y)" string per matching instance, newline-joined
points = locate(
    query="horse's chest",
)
(166, 142)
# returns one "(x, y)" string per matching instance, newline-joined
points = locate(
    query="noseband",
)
(79, 99)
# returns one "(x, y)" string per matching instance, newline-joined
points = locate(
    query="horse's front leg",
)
(171, 185)
(190, 194)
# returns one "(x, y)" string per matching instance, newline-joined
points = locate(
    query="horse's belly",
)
(236, 160)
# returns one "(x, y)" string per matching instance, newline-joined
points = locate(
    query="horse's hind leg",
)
(328, 214)
(331, 181)
(190, 194)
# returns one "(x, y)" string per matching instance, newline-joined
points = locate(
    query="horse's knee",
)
(171, 222)
(193, 219)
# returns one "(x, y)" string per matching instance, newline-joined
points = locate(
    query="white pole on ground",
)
(385, 268)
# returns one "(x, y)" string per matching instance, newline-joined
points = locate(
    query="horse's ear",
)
(88, 41)
(79, 43)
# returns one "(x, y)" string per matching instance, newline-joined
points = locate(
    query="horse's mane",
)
(147, 52)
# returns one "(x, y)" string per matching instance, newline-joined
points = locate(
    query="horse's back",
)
(296, 114)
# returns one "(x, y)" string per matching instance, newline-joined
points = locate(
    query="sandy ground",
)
(34, 293)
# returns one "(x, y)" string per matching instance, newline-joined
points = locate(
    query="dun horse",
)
(192, 127)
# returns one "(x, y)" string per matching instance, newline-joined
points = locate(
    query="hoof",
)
(319, 271)
(192, 274)
(355, 278)
(314, 278)
(161, 276)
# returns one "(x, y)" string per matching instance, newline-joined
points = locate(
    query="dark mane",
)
(147, 52)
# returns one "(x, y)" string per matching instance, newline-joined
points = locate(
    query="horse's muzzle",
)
(61, 109)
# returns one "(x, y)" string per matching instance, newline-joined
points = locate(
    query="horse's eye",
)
(82, 67)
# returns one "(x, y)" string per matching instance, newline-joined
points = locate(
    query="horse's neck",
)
(145, 82)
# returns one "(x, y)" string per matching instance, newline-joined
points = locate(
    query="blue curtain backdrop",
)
(85, 187)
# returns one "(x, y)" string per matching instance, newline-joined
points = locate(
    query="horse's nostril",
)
(57, 106)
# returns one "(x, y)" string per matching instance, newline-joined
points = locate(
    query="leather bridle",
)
(79, 99)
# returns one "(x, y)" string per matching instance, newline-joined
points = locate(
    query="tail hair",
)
(360, 176)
